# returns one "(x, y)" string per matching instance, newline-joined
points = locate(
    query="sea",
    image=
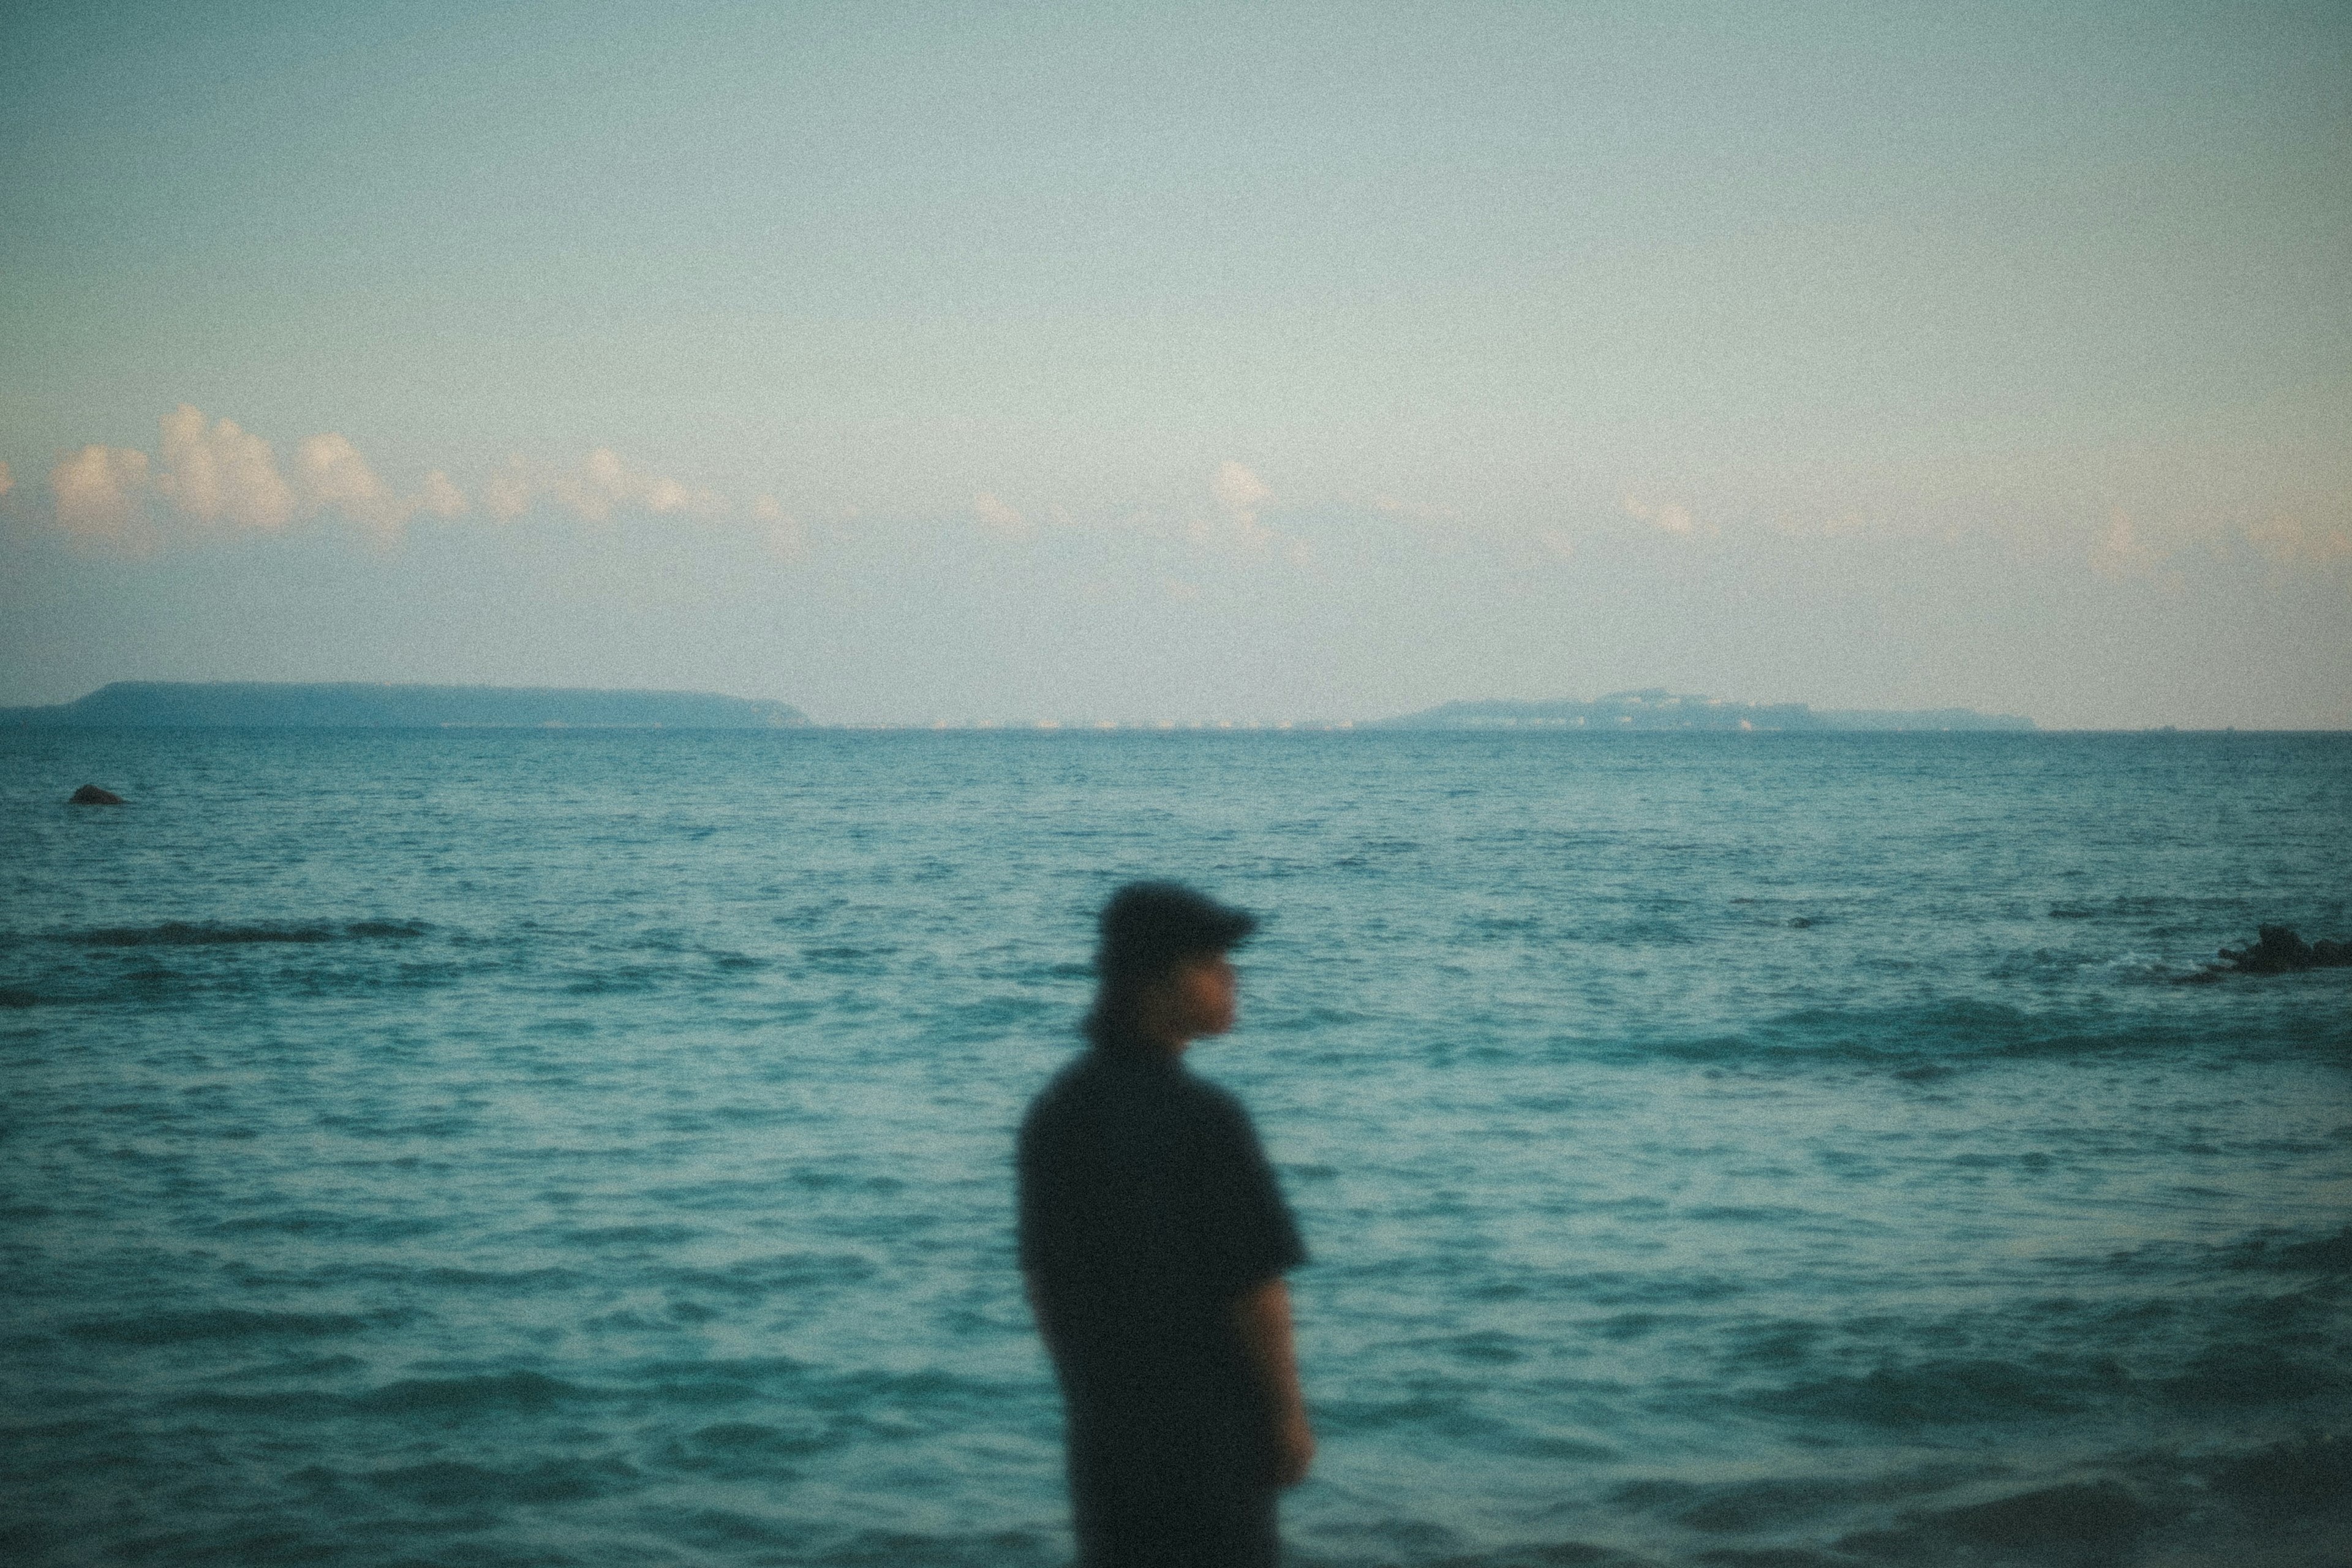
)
(558, 1147)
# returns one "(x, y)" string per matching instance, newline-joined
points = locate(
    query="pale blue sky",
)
(1186, 362)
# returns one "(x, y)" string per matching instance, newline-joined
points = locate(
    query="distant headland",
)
(365, 705)
(1657, 709)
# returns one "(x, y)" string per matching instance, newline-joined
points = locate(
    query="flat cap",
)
(1149, 926)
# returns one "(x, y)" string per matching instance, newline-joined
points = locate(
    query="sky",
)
(929, 364)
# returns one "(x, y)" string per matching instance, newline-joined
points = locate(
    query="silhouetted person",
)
(1154, 1240)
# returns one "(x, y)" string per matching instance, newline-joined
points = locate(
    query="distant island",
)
(362, 705)
(1657, 709)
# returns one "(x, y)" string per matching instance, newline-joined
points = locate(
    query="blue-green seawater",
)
(568, 1147)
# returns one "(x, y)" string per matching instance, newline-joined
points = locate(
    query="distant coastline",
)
(364, 705)
(1658, 708)
(369, 705)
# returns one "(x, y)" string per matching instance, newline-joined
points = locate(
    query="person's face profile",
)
(1206, 993)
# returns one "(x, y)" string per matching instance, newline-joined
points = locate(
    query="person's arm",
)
(1262, 1315)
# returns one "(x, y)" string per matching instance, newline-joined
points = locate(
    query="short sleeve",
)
(1243, 1231)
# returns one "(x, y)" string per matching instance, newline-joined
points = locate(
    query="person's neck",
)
(1155, 1032)
(1143, 1045)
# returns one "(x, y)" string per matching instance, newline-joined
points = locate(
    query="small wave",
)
(2333, 1255)
(723, 1380)
(632, 1235)
(2140, 969)
(2101, 1516)
(2303, 1476)
(385, 928)
(749, 1450)
(184, 934)
(512, 1280)
(222, 1323)
(470, 1395)
(1925, 1040)
(177, 933)
(1774, 1503)
(326, 1223)
(631, 981)
(279, 1406)
(443, 1483)
(728, 1532)
(1943, 1392)
(755, 1277)
(907, 1548)
(2268, 1250)
(2254, 1372)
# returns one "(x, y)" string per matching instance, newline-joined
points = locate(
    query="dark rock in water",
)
(90, 794)
(2276, 950)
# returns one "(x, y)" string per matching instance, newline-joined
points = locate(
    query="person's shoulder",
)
(1214, 1102)
(1075, 1084)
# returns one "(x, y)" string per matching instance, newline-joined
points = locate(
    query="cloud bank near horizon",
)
(210, 481)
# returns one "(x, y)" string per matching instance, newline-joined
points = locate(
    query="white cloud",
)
(330, 473)
(441, 498)
(213, 474)
(603, 484)
(102, 498)
(1664, 516)
(1238, 490)
(220, 472)
(1239, 494)
(1001, 519)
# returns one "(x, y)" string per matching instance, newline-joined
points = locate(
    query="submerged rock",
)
(2278, 951)
(90, 794)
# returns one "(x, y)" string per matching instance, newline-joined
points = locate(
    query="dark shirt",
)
(1148, 1210)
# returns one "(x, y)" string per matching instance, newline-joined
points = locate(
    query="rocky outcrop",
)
(2278, 951)
(90, 794)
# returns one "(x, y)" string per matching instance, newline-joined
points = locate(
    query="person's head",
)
(1165, 977)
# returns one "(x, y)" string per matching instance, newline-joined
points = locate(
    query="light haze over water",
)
(520, 1147)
